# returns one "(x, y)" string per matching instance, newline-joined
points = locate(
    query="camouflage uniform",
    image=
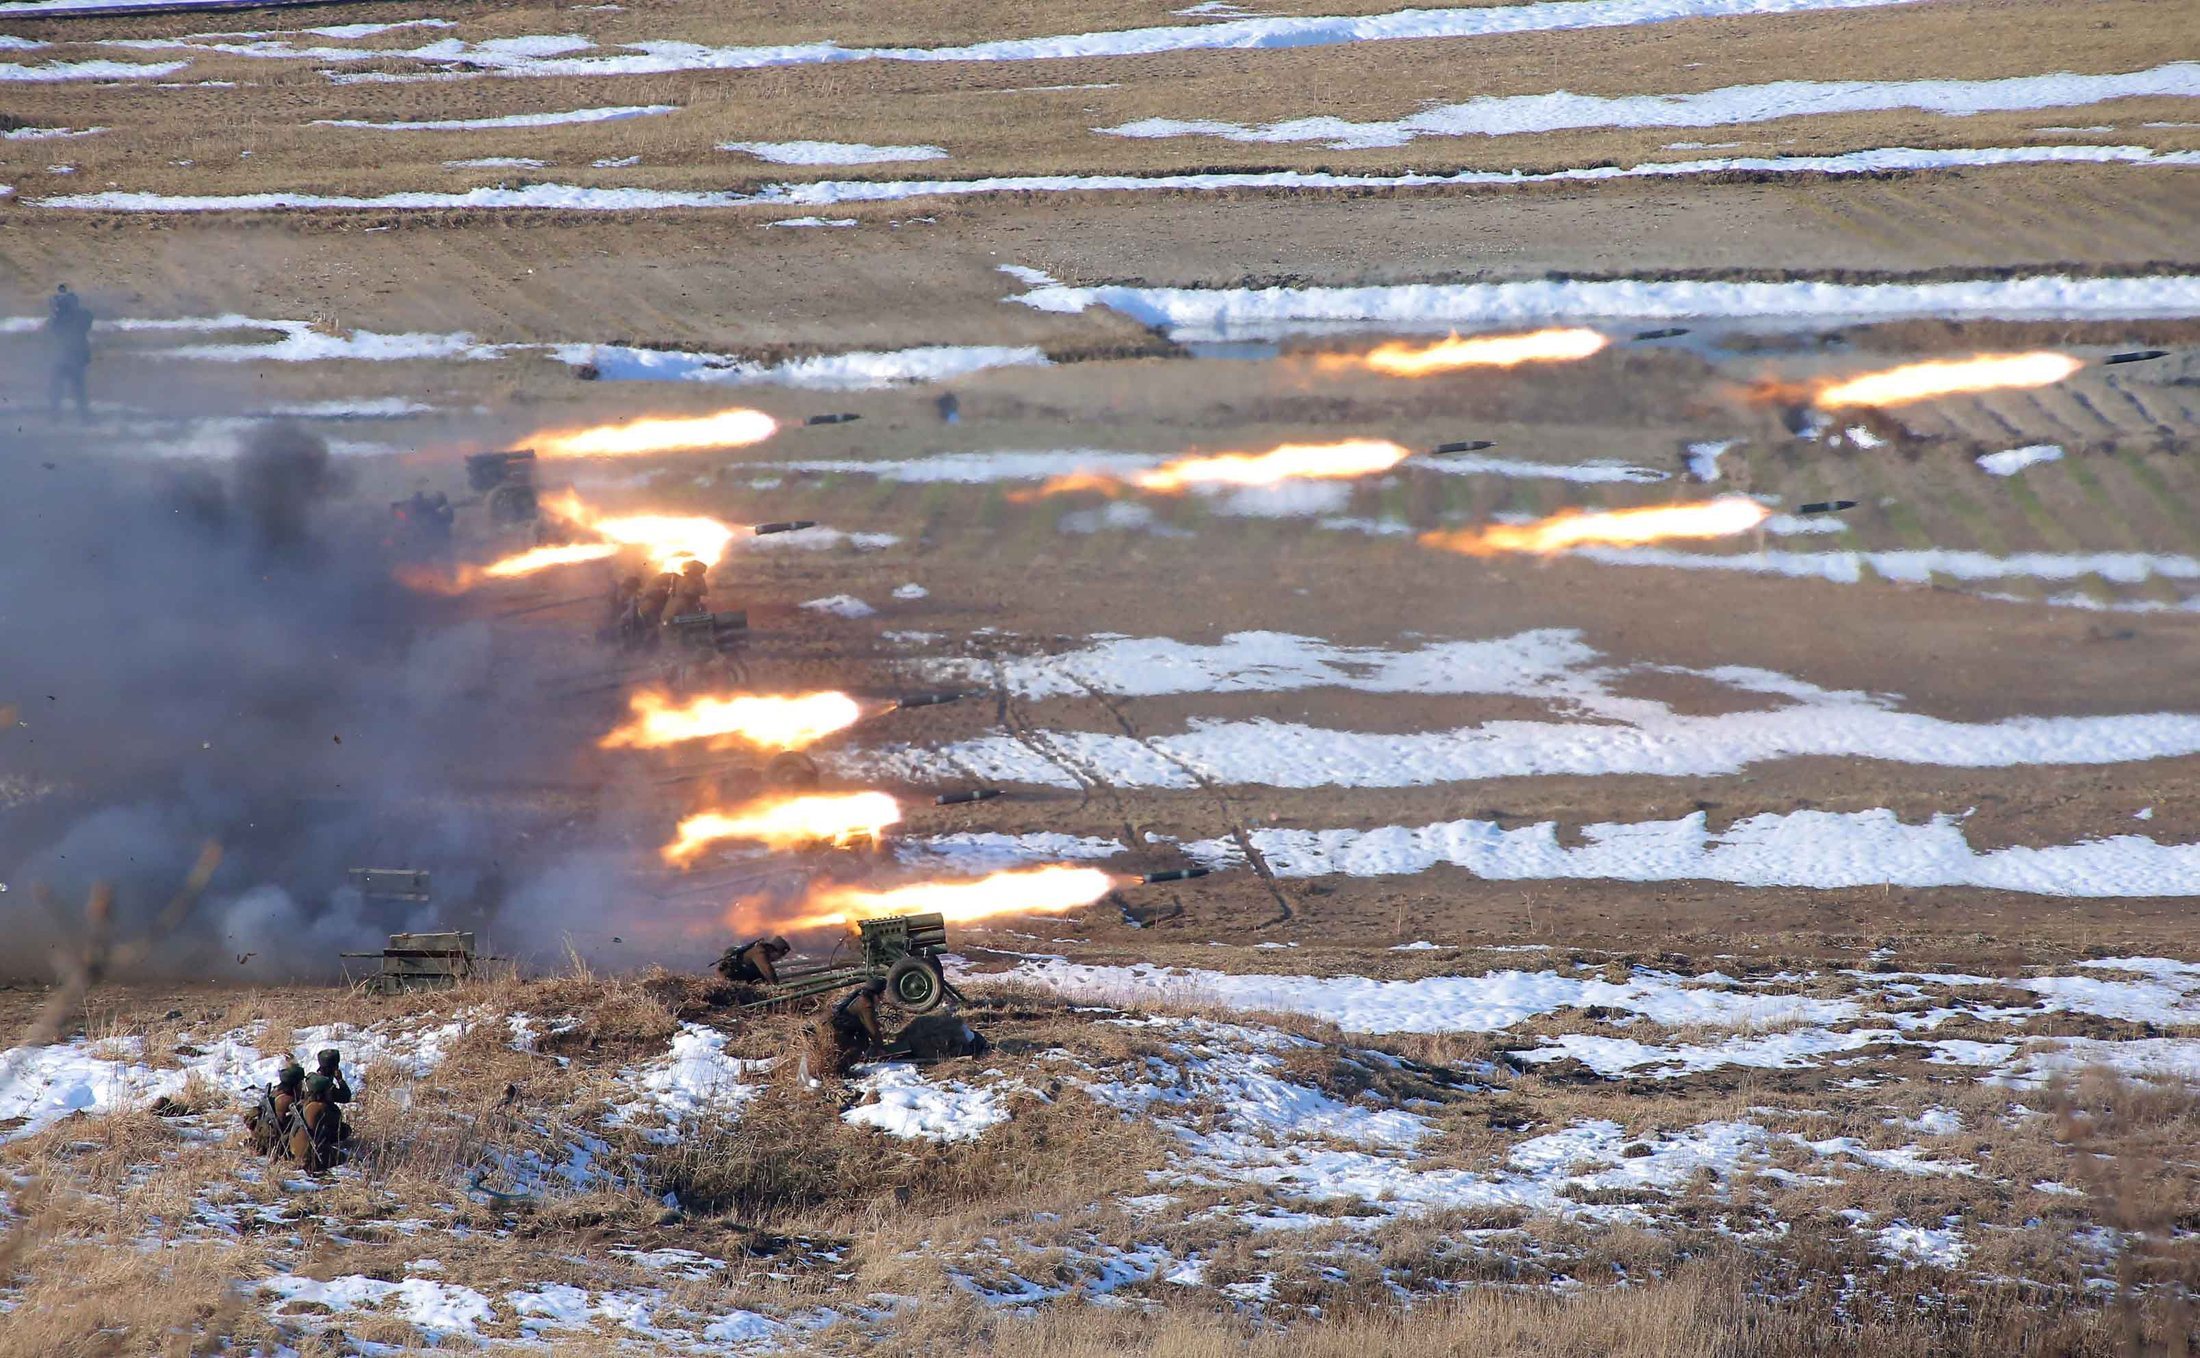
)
(690, 593)
(754, 962)
(855, 1028)
(317, 1130)
(330, 1062)
(271, 1116)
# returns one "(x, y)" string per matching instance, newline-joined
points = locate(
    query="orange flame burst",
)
(768, 721)
(1723, 517)
(1400, 359)
(543, 558)
(1287, 462)
(671, 540)
(1052, 890)
(791, 823)
(462, 578)
(659, 434)
(1950, 377)
(1912, 382)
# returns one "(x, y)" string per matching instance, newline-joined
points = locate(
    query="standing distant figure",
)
(69, 331)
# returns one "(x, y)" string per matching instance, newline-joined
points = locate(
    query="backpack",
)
(266, 1120)
(316, 1135)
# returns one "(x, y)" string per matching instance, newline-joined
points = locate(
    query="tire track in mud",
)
(1020, 729)
(1236, 823)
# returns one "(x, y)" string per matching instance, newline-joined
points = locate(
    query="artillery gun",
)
(506, 484)
(903, 950)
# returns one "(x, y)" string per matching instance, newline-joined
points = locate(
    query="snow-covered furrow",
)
(1819, 849)
(304, 342)
(54, 72)
(1437, 1004)
(1551, 663)
(618, 113)
(2137, 990)
(1223, 313)
(859, 370)
(979, 468)
(573, 55)
(1731, 105)
(1289, 754)
(1914, 565)
(831, 152)
(833, 192)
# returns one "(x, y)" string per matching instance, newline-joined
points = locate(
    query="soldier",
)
(330, 1062)
(317, 1130)
(652, 609)
(855, 1029)
(69, 332)
(689, 593)
(756, 961)
(625, 592)
(272, 1114)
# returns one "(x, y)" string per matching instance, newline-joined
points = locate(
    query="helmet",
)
(291, 1074)
(318, 1088)
(693, 567)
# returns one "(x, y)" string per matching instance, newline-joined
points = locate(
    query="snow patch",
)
(841, 606)
(831, 152)
(2013, 460)
(907, 1105)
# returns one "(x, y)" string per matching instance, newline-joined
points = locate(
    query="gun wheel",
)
(792, 769)
(915, 985)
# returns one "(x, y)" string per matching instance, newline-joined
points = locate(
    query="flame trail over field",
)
(788, 823)
(767, 721)
(1288, 462)
(1572, 528)
(543, 558)
(1052, 890)
(1400, 359)
(671, 540)
(737, 428)
(1913, 382)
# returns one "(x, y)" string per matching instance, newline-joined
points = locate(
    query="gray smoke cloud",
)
(223, 652)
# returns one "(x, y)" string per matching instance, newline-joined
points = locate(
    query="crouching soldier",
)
(331, 1067)
(855, 1030)
(755, 962)
(317, 1130)
(271, 1116)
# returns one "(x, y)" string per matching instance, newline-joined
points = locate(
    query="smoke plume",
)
(220, 652)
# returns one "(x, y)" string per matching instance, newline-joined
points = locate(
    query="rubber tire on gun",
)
(916, 985)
